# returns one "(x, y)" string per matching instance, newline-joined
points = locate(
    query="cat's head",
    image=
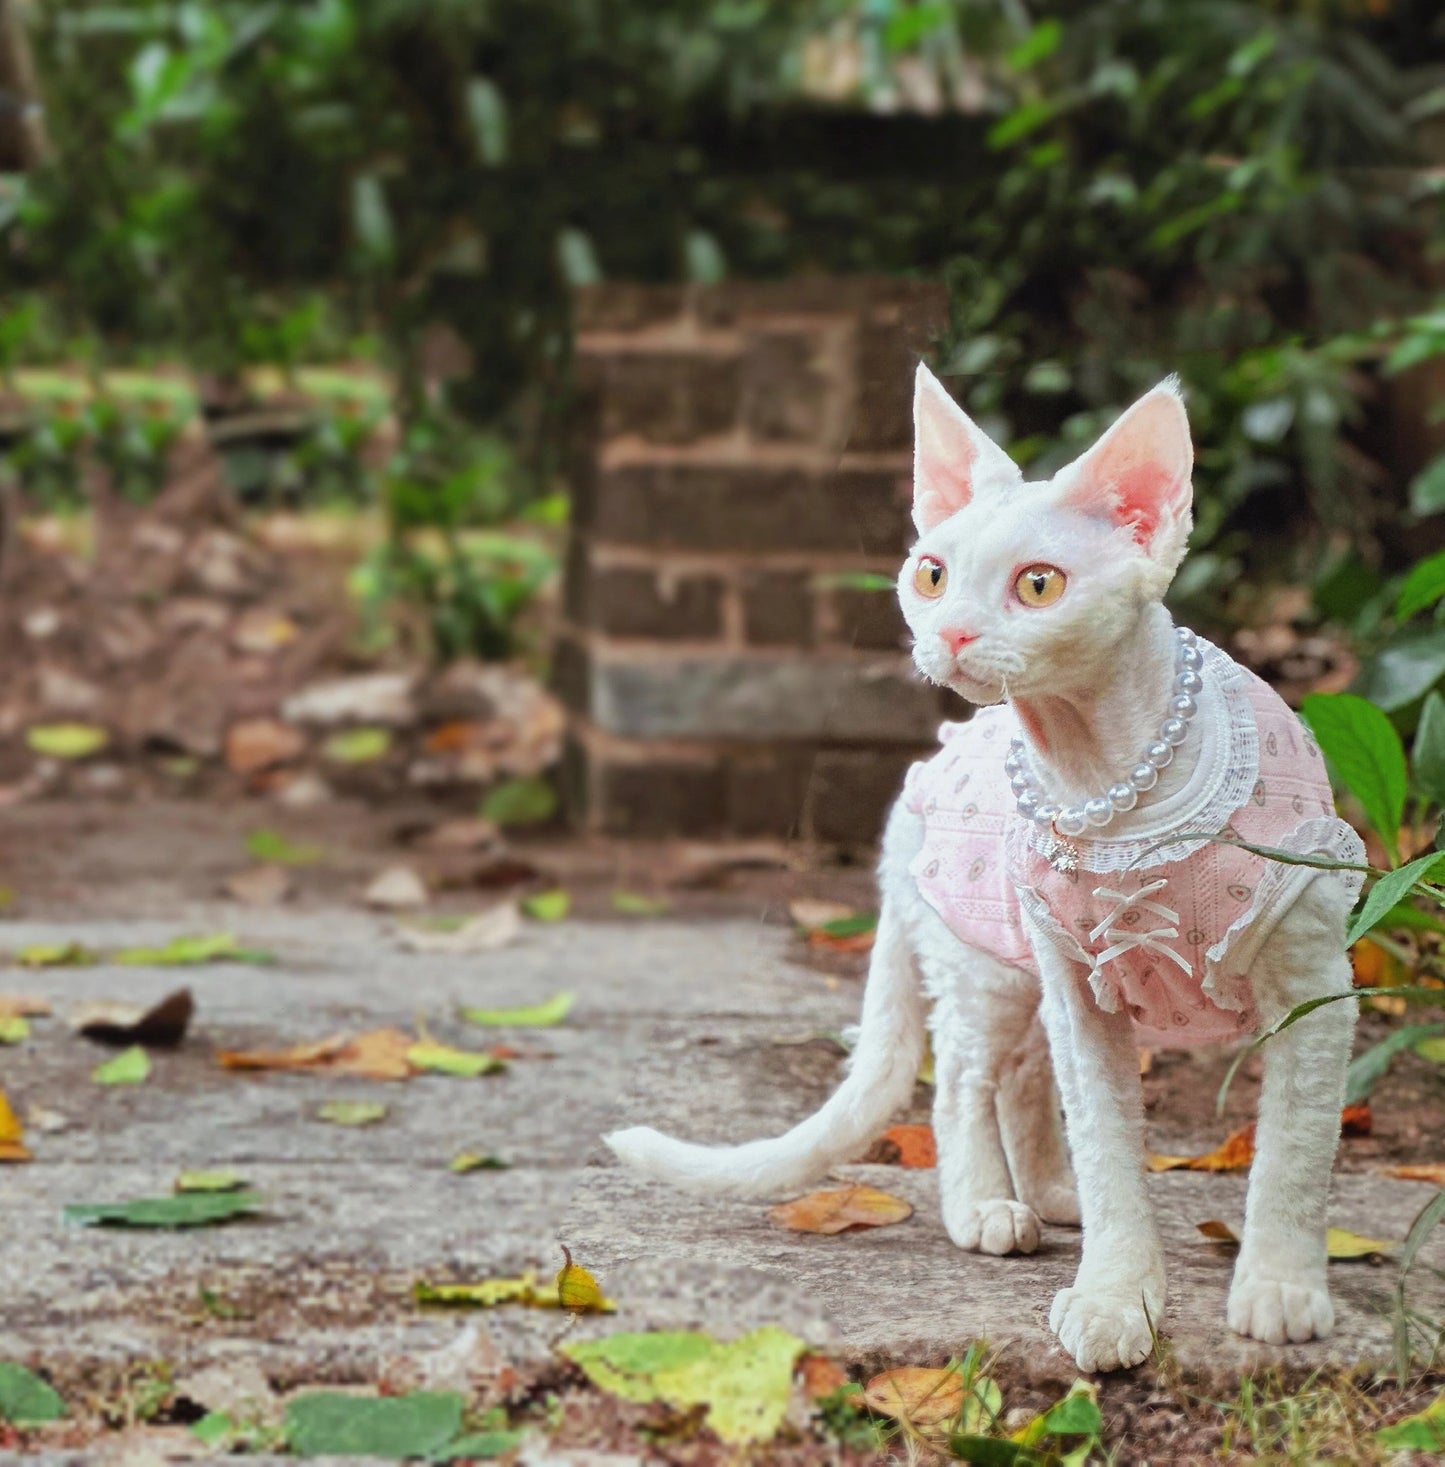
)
(1021, 589)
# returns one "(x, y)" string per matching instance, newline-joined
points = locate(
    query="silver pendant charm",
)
(1064, 857)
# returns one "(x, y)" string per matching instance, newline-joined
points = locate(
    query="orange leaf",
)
(297, 1057)
(916, 1394)
(1356, 1120)
(856, 942)
(911, 1146)
(1231, 1155)
(24, 1005)
(1218, 1232)
(821, 1376)
(1374, 967)
(1428, 1171)
(454, 737)
(12, 1134)
(842, 1210)
(379, 1054)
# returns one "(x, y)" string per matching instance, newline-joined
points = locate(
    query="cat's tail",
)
(880, 1079)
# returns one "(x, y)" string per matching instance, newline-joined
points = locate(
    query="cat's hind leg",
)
(1279, 1291)
(1032, 1122)
(982, 1013)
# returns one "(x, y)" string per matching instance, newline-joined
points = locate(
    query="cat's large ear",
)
(953, 458)
(1138, 475)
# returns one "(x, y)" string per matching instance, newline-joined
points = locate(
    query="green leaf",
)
(480, 1446)
(854, 926)
(223, 1179)
(474, 1161)
(130, 1067)
(271, 845)
(1076, 1415)
(1422, 1432)
(14, 1028)
(1404, 670)
(66, 740)
(1427, 753)
(213, 1428)
(1389, 889)
(25, 1399)
(745, 1383)
(1368, 1069)
(358, 746)
(548, 906)
(56, 955)
(544, 1015)
(1365, 751)
(1427, 488)
(1423, 587)
(352, 1112)
(184, 1210)
(371, 219)
(442, 1059)
(189, 951)
(335, 1424)
(487, 113)
(1040, 43)
(520, 802)
(989, 1451)
(870, 581)
(634, 904)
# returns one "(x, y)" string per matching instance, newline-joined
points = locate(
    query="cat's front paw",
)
(997, 1226)
(1277, 1310)
(1103, 1328)
(1058, 1202)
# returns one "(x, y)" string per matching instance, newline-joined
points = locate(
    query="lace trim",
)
(1106, 988)
(1276, 891)
(1213, 792)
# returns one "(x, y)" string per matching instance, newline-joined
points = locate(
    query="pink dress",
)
(1167, 926)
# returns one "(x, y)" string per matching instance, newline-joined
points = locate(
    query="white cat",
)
(1036, 879)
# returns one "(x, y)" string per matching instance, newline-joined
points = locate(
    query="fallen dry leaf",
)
(468, 833)
(1428, 1171)
(259, 886)
(910, 1146)
(1356, 1120)
(1233, 1153)
(841, 1210)
(490, 1293)
(12, 1134)
(262, 743)
(161, 1025)
(820, 1376)
(495, 928)
(808, 913)
(1341, 1245)
(397, 889)
(24, 1005)
(577, 1290)
(379, 1054)
(916, 1394)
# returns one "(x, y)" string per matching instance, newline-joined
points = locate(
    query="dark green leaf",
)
(480, 1446)
(1427, 753)
(521, 802)
(1076, 1415)
(1427, 488)
(1404, 670)
(334, 1424)
(1368, 1069)
(1365, 751)
(989, 1451)
(1423, 587)
(184, 1210)
(1389, 889)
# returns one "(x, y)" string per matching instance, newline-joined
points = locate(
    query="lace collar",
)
(1225, 770)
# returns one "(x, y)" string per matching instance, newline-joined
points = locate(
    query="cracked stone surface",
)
(702, 1028)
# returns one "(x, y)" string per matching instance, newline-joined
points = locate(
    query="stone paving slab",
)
(700, 1028)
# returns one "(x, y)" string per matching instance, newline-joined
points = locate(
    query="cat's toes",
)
(997, 1226)
(1102, 1330)
(1277, 1310)
(1058, 1202)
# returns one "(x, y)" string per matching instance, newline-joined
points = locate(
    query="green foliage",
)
(1365, 751)
(26, 1399)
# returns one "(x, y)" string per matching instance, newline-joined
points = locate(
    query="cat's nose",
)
(956, 639)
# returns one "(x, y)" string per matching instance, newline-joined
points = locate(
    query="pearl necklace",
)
(1070, 821)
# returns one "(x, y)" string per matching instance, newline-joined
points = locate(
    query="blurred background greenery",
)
(374, 210)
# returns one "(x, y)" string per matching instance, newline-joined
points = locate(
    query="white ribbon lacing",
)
(1123, 941)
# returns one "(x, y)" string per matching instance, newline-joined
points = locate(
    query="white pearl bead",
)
(1174, 731)
(1019, 783)
(1183, 706)
(1098, 811)
(1071, 821)
(1143, 777)
(1044, 815)
(1014, 763)
(1188, 682)
(1191, 657)
(1123, 796)
(1185, 636)
(1028, 802)
(1159, 754)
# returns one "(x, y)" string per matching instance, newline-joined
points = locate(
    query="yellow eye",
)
(1040, 585)
(930, 578)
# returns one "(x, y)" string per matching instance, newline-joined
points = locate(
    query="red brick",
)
(786, 397)
(624, 306)
(664, 396)
(869, 619)
(852, 791)
(654, 604)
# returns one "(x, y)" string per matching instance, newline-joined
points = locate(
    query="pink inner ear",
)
(1141, 491)
(949, 455)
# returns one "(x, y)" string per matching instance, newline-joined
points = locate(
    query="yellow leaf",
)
(1430, 1171)
(12, 1134)
(1341, 1245)
(490, 1293)
(842, 1210)
(916, 1394)
(577, 1290)
(1232, 1154)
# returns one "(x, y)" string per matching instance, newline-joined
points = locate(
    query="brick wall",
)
(744, 450)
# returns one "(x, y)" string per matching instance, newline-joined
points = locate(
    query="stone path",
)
(675, 1024)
